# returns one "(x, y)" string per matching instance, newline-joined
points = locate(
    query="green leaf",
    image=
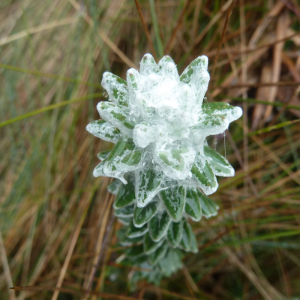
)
(114, 187)
(219, 164)
(133, 232)
(186, 237)
(143, 214)
(103, 154)
(231, 113)
(188, 241)
(159, 254)
(124, 212)
(126, 194)
(175, 159)
(133, 260)
(124, 157)
(159, 225)
(209, 207)
(116, 88)
(135, 251)
(171, 262)
(192, 204)
(174, 233)
(125, 241)
(196, 66)
(147, 185)
(125, 220)
(174, 200)
(203, 175)
(103, 130)
(193, 240)
(117, 115)
(128, 242)
(150, 245)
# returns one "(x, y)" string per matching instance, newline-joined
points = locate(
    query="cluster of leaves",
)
(158, 187)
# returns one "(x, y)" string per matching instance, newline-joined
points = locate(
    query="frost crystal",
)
(159, 123)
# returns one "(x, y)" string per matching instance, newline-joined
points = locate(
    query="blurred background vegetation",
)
(56, 225)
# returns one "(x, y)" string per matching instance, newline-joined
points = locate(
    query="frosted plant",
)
(161, 160)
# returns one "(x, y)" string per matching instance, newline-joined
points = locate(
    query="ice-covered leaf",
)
(171, 262)
(117, 115)
(124, 212)
(132, 77)
(114, 187)
(159, 225)
(196, 66)
(99, 169)
(126, 194)
(143, 214)
(219, 163)
(164, 61)
(197, 76)
(103, 154)
(203, 175)
(133, 232)
(148, 65)
(208, 125)
(116, 88)
(174, 233)
(231, 113)
(192, 204)
(147, 184)
(168, 68)
(104, 130)
(159, 254)
(124, 157)
(209, 207)
(174, 199)
(135, 251)
(150, 245)
(175, 159)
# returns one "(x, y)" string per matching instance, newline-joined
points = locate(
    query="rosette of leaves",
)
(161, 160)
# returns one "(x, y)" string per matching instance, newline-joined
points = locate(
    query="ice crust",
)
(164, 116)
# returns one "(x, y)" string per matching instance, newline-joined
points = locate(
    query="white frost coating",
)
(144, 134)
(165, 117)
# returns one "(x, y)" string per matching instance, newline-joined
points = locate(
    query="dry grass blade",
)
(37, 29)
(278, 48)
(82, 210)
(7, 273)
(170, 42)
(145, 28)
(105, 38)
(212, 22)
(70, 291)
(222, 37)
